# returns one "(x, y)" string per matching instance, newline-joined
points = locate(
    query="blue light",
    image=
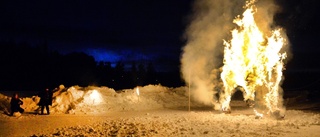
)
(117, 55)
(103, 55)
(126, 56)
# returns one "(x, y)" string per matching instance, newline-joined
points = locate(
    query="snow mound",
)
(4, 103)
(92, 99)
(104, 99)
(173, 123)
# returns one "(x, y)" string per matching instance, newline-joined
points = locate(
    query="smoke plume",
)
(202, 55)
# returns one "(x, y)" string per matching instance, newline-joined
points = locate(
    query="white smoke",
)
(202, 55)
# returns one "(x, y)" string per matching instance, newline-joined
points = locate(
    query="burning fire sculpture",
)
(253, 61)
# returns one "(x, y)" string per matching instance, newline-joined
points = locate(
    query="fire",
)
(95, 97)
(137, 91)
(253, 60)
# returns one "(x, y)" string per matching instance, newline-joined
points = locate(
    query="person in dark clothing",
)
(15, 104)
(45, 100)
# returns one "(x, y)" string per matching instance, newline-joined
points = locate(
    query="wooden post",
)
(189, 88)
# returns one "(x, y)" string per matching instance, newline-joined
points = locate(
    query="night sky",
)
(108, 30)
(149, 30)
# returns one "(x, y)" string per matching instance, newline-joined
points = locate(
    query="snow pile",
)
(103, 99)
(4, 103)
(173, 123)
(153, 111)
(30, 103)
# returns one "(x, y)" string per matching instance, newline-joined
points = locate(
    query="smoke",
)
(202, 57)
(264, 18)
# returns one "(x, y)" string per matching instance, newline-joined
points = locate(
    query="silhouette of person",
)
(15, 104)
(45, 100)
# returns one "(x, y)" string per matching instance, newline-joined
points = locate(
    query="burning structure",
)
(252, 60)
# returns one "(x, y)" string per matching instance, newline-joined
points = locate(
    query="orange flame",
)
(252, 60)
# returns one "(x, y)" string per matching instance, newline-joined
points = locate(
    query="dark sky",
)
(301, 19)
(109, 30)
(113, 30)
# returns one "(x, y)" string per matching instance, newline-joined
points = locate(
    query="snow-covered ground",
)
(152, 110)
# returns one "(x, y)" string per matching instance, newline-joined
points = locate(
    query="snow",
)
(155, 111)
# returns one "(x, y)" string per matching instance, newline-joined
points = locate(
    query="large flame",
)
(253, 60)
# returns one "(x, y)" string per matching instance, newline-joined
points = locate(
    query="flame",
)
(251, 60)
(95, 97)
(137, 91)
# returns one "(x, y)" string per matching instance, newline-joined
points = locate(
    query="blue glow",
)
(131, 55)
(103, 55)
(115, 56)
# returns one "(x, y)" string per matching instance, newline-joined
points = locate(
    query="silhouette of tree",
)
(151, 74)
(35, 67)
(141, 75)
(133, 75)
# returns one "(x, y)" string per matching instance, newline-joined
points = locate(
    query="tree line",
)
(26, 67)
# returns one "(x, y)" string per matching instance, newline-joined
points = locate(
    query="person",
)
(15, 104)
(45, 100)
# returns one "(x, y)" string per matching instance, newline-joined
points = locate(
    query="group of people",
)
(45, 102)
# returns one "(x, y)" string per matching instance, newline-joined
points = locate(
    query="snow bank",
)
(181, 123)
(86, 100)
(153, 111)
(103, 99)
(4, 103)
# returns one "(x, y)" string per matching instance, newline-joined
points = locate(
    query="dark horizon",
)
(36, 68)
(140, 31)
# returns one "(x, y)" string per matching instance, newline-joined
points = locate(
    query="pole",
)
(189, 88)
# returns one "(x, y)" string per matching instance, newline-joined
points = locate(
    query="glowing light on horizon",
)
(138, 91)
(103, 55)
(95, 96)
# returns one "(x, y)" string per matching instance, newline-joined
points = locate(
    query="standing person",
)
(45, 100)
(15, 104)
